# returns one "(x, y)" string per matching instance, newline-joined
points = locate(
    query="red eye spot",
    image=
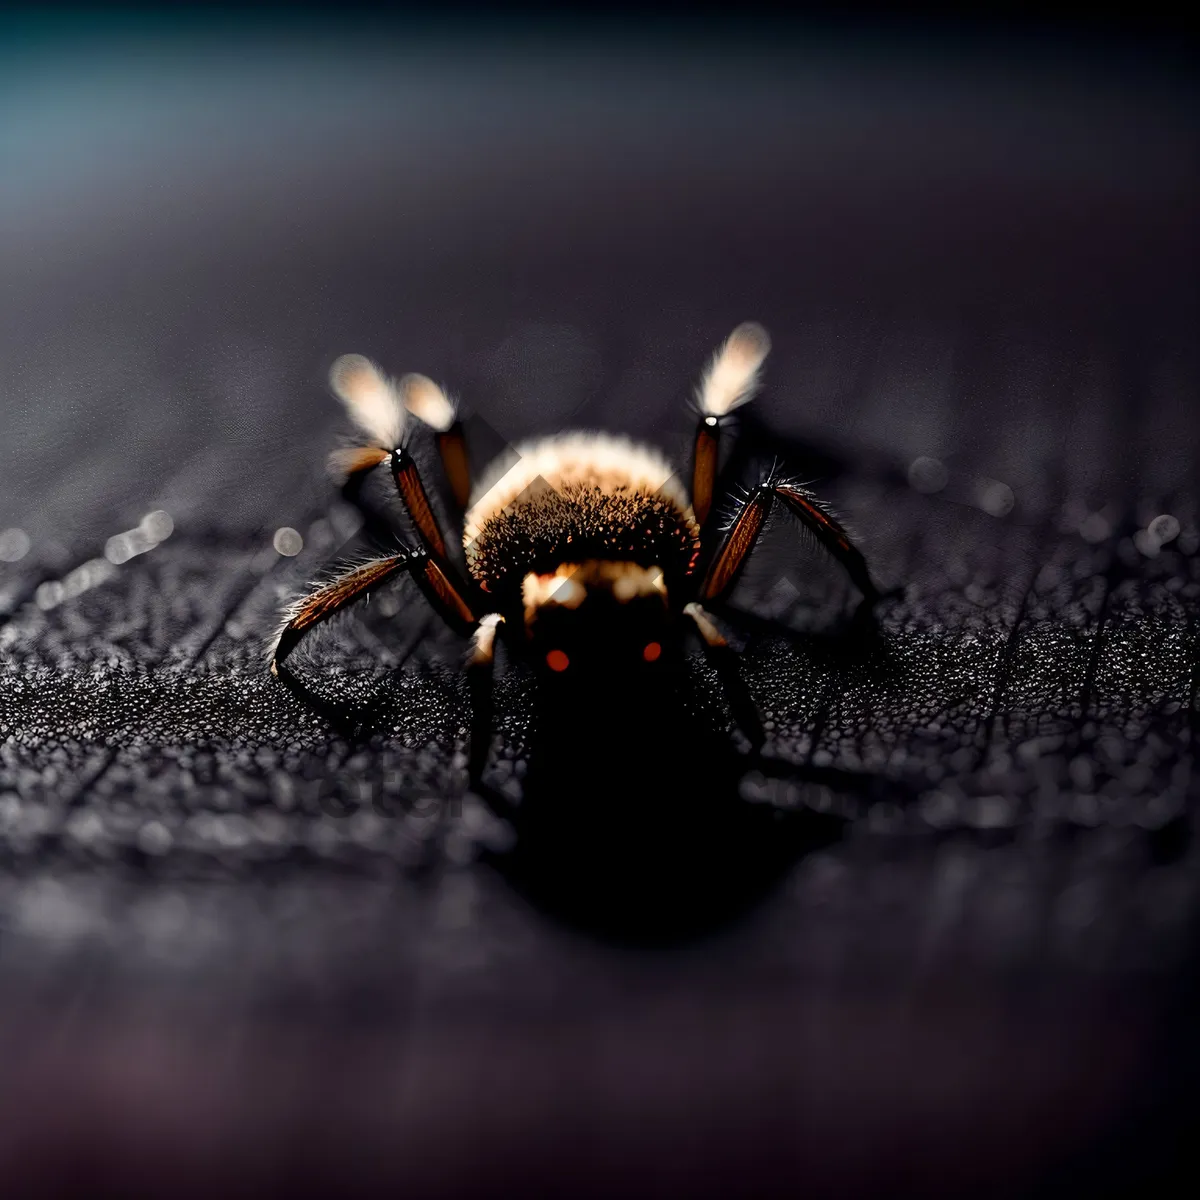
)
(652, 652)
(556, 660)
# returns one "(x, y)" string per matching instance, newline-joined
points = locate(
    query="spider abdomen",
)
(579, 497)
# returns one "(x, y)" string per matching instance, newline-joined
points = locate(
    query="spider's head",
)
(595, 620)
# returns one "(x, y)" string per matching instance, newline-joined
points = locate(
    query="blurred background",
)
(235, 953)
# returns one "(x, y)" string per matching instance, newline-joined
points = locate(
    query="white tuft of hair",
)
(370, 398)
(483, 640)
(427, 402)
(732, 376)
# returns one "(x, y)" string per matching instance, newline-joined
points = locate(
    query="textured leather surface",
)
(946, 941)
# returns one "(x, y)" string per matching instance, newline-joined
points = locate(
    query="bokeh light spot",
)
(14, 545)
(287, 541)
(995, 498)
(1095, 527)
(1164, 528)
(928, 475)
(157, 525)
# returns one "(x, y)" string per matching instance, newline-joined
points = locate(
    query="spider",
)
(585, 556)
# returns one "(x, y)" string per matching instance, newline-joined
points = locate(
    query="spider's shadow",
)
(632, 824)
(638, 866)
(758, 443)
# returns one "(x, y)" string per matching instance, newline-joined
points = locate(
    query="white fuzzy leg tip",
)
(427, 402)
(732, 376)
(483, 640)
(370, 399)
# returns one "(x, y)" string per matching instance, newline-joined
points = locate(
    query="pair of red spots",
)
(556, 660)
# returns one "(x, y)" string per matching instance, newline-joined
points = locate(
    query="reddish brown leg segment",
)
(744, 534)
(412, 492)
(323, 603)
(357, 582)
(830, 534)
(704, 467)
(737, 545)
(445, 596)
(442, 583)
(724, 660)
(452, 447)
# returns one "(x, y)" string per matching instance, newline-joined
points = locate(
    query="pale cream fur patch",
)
(427, 401)
(371, 399)
(483, 640)
(570, 584)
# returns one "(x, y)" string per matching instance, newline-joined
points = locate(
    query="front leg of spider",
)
(379, 408)
(723, 659)
(480, 668)
(355, 583)
(730, 380)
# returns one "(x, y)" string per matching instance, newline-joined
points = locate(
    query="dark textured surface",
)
(238, 949)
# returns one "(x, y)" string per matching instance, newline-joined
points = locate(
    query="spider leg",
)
(449, 583)
(433, 406)
(442, 582)
(416, 502)
(739, 541)
(730, 380)
(724, 660)
(452, 448)
(743, 536)
(355, 465)
(380, 406)
(704, 467)
(356, 582)
(480, 670)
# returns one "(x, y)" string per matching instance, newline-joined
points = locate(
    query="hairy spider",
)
(585, 555)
